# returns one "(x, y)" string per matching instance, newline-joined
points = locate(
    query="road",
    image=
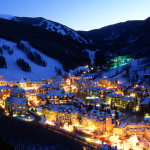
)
(72, 136)
(37, 118)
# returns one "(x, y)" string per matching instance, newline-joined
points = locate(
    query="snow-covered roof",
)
(146, 101)
(69, 94)
(31, 91)
(96, 88)
(45, 86)
(128, 98)
(17, 90)
(52, 93)
(5, 87)
(39, 109)
(109, 90)
(41, 95)
(132, 90)
(95, 112)
(80, 100)
(114, 95)
(147, 93)
(6, 16)
(63, 107)
(16, 100)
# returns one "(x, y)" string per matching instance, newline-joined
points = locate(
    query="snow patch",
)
(84, 68)
(5, 16)
(138, 66)
(92, 55)
(132, 39)
(14, 72)
(112, 37)
(59, 29)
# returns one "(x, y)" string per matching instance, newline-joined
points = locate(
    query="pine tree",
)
(3, 62)
(24, 65)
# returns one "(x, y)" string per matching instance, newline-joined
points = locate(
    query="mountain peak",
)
(49, 25)
(6, 16)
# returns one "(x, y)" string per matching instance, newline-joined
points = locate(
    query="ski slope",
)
(14, 72)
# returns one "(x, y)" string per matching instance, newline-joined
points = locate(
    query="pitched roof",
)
(114, 95)
(128, 98)
(16, 100)
(146, 101)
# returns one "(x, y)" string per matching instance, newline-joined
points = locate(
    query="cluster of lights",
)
(49, 122)
(68, 127)
(126, 144)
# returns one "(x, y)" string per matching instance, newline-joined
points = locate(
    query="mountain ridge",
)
(125, 38)
(49, 25)
(51, 43)
(69, 46)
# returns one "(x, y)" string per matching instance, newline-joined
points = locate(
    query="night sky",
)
(79, 14)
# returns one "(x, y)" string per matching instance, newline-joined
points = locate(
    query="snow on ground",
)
(42, 120)
(136, 66)
(113, 36)
(14, 72)
(92, 55)
(84, 68)
(52, 26)
(63, 30)
(75, 35)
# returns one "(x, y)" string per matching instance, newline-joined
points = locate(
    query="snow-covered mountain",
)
(52, 39)
(68, 46)
(14, 72)
(51, 26)
(125, 38)
(5, 16)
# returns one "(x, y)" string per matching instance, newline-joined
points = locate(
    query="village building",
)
(128, 101)
(62, 113)
(17, 92)
(16, 106)
(129, 128)
(113, 99)
(145, 104)
(5, 91)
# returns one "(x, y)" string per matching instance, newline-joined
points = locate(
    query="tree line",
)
(3, 62)
(24, 65)
(33, 56)
(9, 50)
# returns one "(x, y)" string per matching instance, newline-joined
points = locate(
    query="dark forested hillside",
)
(68, 46)
(63, 48)
(17, 134)
(112, 32)
(126, 38)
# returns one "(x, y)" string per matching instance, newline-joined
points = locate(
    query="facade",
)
(147, 134)
(128, 101)
(63, 113)
(109, 124)
(16, 106)
(131, 128)
(17, 92)
(94, 123)
(5, 91)
(145, 104)
(113, 99)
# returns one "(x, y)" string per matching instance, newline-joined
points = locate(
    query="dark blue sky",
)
(79, 14)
